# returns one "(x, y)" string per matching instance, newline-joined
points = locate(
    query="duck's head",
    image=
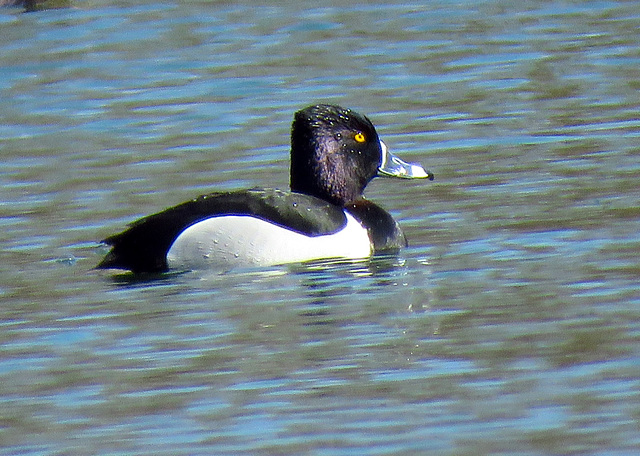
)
(335, 152)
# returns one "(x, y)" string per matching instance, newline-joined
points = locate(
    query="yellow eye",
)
(359, 137)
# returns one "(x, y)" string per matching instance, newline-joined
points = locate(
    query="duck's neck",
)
(326, 182)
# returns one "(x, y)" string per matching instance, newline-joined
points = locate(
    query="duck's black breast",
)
(144, 245)
(384, 232)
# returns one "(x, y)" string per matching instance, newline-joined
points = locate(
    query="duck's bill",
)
(392, 166)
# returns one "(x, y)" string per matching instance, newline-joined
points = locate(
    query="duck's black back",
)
(144, 245)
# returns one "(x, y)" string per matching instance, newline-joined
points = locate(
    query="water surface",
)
(510, 326)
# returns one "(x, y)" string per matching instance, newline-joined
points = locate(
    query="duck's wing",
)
(144, 245)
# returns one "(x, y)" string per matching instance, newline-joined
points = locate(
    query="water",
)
(510, 326)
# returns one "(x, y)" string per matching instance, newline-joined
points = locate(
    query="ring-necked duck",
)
(335, 152)
(37, 5)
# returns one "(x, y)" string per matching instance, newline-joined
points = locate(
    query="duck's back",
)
(197, 229)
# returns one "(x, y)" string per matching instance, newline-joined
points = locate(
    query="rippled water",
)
(510, 326)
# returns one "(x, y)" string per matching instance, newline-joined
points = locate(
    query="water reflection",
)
(331, 283)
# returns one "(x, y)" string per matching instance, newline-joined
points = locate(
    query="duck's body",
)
(335, 153)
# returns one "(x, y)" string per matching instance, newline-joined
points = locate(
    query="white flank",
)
(241, 241)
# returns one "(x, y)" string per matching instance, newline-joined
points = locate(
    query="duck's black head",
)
(335, 152)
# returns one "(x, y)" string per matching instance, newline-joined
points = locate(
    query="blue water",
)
(511, 325)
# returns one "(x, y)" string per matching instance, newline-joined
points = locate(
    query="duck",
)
(335, 153)
(37, 5)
